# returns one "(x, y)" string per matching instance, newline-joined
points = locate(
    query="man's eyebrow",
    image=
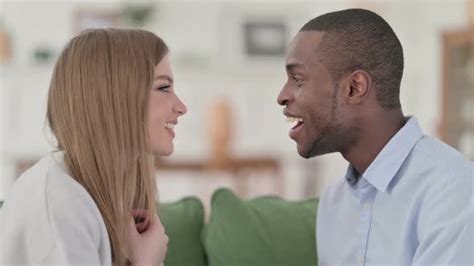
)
(293, 66)
(164, 77)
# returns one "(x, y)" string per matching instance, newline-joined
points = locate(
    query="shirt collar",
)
(387, 163)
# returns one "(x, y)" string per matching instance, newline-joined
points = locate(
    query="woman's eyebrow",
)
(164, 77)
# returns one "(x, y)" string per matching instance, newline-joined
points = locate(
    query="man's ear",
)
(357, 86)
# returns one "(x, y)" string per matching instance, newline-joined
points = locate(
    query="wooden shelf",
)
(239, 168)
(234, 166)
(458, 89)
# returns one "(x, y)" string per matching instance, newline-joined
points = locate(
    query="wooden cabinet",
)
(457, 125)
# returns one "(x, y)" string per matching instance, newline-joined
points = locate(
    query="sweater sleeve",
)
(50, 219)
(74, 220)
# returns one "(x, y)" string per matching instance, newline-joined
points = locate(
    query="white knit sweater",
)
(50, 219)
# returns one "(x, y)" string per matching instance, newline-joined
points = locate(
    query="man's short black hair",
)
(360, 39)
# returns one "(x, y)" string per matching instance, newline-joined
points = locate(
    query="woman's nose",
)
(180, 108)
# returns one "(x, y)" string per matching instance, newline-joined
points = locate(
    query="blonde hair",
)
(97, 110)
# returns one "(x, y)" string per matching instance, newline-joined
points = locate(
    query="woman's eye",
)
(164, 88)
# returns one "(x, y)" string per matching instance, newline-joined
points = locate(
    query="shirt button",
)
(366, 206)
(360, 259)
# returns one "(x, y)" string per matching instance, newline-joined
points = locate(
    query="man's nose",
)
(283, 98)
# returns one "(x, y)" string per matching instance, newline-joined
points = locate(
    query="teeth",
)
(294, 119)
(169, 125)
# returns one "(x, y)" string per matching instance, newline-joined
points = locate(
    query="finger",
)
(156, 220)
(140, 216)
(141, 227)
(142, 213)
(155, 224)
(132, 228)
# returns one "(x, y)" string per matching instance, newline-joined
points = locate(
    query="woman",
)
(111, 107)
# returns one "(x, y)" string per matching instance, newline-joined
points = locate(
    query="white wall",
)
(209, 31)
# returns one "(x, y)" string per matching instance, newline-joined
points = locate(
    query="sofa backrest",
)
(258, 232)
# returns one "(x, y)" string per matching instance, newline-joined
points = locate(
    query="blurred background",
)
(228, 62)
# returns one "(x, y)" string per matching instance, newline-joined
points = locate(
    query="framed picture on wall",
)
(265, 38)
(90, 18)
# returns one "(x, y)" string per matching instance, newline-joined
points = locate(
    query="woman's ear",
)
(357, 86)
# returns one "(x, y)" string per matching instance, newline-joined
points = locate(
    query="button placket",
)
(366, 206)
(367, 195)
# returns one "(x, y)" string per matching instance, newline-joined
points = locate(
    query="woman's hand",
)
(148, 242)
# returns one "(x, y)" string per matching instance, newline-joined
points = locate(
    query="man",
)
(406, 198)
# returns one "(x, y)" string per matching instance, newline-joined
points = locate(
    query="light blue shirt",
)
(412, 206)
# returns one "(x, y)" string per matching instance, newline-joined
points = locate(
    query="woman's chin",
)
(164, 152)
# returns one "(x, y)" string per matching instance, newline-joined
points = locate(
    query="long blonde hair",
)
(97, 110)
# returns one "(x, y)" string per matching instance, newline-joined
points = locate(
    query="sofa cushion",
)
(259, 232)
(183, 221)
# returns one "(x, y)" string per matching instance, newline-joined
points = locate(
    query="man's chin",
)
(310, 152)
(304, 152)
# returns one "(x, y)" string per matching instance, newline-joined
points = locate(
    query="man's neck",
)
(375, 133)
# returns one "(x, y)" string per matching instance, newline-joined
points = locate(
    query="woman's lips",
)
(171, 132)
(169, 126)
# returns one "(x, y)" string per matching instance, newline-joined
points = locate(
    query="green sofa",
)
(258, 232)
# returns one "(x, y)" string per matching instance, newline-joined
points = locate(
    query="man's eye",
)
(298, 81)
